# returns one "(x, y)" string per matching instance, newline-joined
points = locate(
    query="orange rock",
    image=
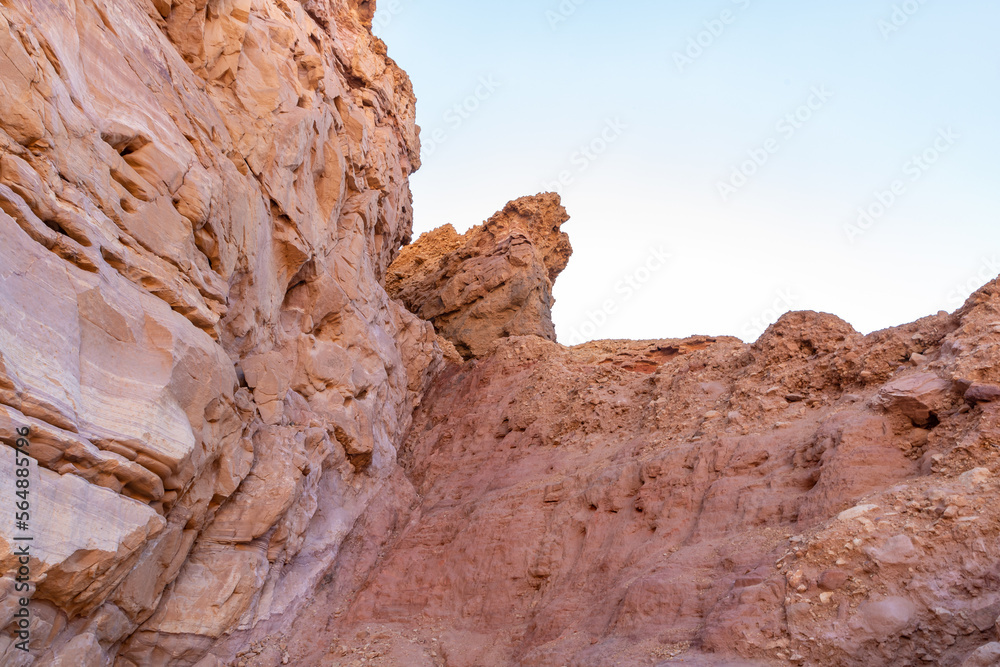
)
(197, 207)
(244, 451)
(493, 282)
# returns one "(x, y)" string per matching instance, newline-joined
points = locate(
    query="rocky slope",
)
(245, 452)
(818, 498)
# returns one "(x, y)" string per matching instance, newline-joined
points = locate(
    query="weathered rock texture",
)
(198, 201)
(493, 282)
(245, 452)
(816, 498)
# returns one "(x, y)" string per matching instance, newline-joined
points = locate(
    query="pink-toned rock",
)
(493, 282)
(984, 656)
(886, 619)
(982, 393)
(897, 550)
(197, 207)
(833, 580)
(244, 451)
(916, 396)
(706, 532)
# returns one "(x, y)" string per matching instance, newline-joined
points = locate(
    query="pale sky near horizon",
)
(716, 157)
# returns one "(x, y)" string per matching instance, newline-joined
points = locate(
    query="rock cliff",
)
(198, 203)
(262, 434)
(816, 498)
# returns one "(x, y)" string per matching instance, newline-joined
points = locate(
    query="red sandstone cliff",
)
(245, 452)
(198, 202)
(816, 498)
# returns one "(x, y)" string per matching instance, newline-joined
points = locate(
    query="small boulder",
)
(985, 656)
(982, 393)
(897, 550)
(832, 580)
(886, 618)
(916, 396)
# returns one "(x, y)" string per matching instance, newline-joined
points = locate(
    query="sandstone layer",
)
(245, 452)
(198, 204)
(493, 282)
(816, 498)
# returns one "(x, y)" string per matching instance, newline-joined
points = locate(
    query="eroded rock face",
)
(493, 282)
(819, 497)
(198, 202)
(242, 446)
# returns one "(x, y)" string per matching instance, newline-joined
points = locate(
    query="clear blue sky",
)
(739, 137)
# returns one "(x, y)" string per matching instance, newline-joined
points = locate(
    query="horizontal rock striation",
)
(198, 203)
(243, 451)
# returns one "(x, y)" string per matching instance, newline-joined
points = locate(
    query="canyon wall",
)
(198, 203)
(818, 497)
(261, 434)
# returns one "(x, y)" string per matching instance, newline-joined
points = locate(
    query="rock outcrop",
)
(198, 203)
(493, 282)
(243, 451)
(816, 498)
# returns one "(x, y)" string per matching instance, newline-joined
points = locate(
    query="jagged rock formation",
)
(817, 498)
(245, 452)
(198, 202)
(493, 282)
